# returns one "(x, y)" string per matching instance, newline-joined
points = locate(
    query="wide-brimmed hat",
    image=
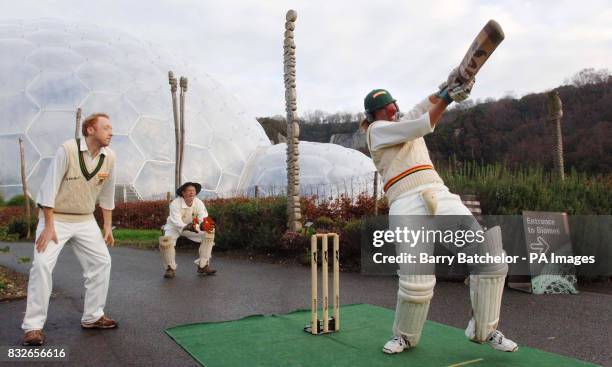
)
(198, 187)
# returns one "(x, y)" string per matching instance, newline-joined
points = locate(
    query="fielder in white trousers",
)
(92, 252)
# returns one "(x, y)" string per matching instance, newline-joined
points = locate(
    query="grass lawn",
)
(144, 238)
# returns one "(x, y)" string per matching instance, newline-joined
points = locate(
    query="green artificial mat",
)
(279, 340)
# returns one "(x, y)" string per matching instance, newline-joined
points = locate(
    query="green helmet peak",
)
(377, 98)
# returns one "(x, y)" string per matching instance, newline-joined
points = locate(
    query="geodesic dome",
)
(49, 68)
(326, 170)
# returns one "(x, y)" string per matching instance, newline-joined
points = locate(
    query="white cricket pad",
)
(493, 246)
(486, 295)
(413, 298)
(166, 248)
(205, 250)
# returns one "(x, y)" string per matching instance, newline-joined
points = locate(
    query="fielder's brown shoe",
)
(207, 270)
(102, 323)
(170, 273)
(34, 337)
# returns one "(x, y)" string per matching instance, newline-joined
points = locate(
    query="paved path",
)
(145, 304)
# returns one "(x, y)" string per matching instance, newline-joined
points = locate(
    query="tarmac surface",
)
(144, 304)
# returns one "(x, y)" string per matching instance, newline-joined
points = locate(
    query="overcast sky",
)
(346, 48)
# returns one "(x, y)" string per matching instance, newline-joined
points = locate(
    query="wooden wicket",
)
(314, 251)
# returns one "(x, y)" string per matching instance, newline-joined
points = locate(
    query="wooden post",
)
(555, 113)
(294, 214)
(24, 184)
(177, 136)
(78, 124)
(183, 85)
(375, 193)
(314, 304)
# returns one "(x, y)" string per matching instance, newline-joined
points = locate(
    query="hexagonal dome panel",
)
(55, 90)
(151, 100)
(121, 112)
(50, 129)
(155, 179)
(38, 174)
(103, 77)
(94, 51)
(155, 138)
(231, 165)
(204, 165)
(50, 37)
(10, 174)
(19, 110)
(55, 59)
(127, 169)
(20, 49)
(15, 78)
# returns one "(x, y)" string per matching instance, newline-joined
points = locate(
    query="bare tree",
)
(589, 76)
(24, 184)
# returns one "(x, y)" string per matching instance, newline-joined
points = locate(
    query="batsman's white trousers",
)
(411, 203)
(90, 248)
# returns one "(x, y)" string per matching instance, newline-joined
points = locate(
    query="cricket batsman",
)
(188, 217)
(414, 188)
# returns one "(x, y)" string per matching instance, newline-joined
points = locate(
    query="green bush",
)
(249, 224)
(5, 236)
(505, 191)
(18, 200)
(324, 223)
(350, 238)
(19, 227)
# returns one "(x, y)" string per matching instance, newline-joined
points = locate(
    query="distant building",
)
(356, 140)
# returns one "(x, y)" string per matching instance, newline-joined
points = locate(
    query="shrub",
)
(19, 200)
(505, 191)
(350, 238)
(9, 212)
(5, 236)
(249, 223)
(324, 223)
(19, 227)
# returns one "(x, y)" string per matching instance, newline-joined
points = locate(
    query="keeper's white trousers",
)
(90, 248)
(205, 250)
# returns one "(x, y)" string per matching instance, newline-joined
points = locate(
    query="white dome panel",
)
(19, 110)
(122, 115)
(57, 90)
(10, 174)
(127, 169)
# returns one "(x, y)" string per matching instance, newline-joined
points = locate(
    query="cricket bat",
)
(487, 40)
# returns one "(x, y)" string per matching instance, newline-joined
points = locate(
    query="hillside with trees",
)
(512, 131)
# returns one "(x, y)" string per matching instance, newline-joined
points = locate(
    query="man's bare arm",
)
(436, 110)
(107, 216)
(48, 233)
